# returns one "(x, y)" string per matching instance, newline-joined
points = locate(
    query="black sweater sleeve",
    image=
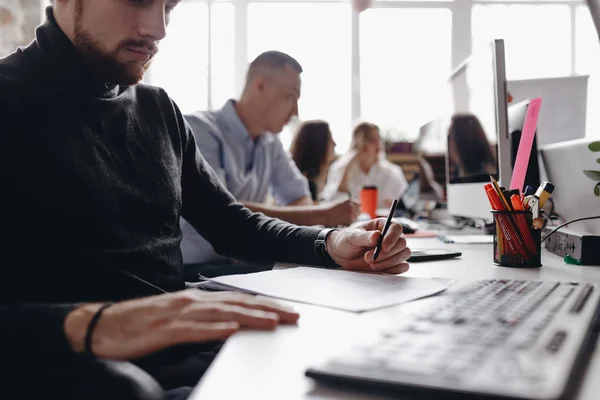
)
(34, 334)
(232, 229)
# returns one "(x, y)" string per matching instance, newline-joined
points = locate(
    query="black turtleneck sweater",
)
(94, 179)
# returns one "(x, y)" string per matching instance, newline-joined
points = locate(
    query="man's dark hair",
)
(271, 59)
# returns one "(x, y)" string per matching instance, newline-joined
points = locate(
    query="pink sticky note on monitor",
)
(527, 136)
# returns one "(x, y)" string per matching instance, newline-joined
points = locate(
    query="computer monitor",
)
(516, 119)
(477, 134)
(594, 6)
(574, 192)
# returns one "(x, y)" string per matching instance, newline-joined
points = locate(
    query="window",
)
(587, 62)
(318, 36)
(402, 78)
(405, 1)
(181, 65)
(587, 47)
(222, 53)
(537, 38)
(392, 73)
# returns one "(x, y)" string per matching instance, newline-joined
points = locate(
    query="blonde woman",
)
(12, 20)
(365, 165)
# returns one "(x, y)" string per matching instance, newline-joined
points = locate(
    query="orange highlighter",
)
(515, 200)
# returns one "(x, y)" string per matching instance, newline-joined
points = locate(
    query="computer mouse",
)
(408, 225)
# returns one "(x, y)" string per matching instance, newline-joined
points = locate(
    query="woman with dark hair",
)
(313, 150)
(469, 152)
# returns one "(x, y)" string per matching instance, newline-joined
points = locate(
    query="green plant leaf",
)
(593, 175)
(597, 189)
(594, 146)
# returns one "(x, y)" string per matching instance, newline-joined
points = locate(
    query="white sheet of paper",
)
(468, 239)
(344, 290)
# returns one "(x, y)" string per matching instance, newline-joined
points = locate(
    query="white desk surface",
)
(271, 365)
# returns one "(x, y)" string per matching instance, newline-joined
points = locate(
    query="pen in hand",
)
(385, 229)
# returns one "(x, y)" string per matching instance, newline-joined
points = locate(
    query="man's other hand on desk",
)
(135, 328)
(353, 248)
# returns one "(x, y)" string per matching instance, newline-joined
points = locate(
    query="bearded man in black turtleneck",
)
(96, 171)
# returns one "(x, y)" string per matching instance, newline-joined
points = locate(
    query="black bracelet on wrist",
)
(321, 250)
(90, 330)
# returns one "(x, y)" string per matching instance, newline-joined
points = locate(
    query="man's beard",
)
(105, 64)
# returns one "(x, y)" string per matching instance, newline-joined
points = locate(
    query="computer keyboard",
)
(509, 338)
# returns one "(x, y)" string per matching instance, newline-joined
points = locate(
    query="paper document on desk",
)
(343, 290)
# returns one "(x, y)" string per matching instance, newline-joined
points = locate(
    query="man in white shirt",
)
(363, 166)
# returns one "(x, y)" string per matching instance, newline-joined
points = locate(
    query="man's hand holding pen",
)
(354, 248)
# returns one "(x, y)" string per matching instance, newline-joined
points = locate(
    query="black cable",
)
(567, 223)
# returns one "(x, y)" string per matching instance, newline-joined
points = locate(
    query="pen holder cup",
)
(516, 242)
